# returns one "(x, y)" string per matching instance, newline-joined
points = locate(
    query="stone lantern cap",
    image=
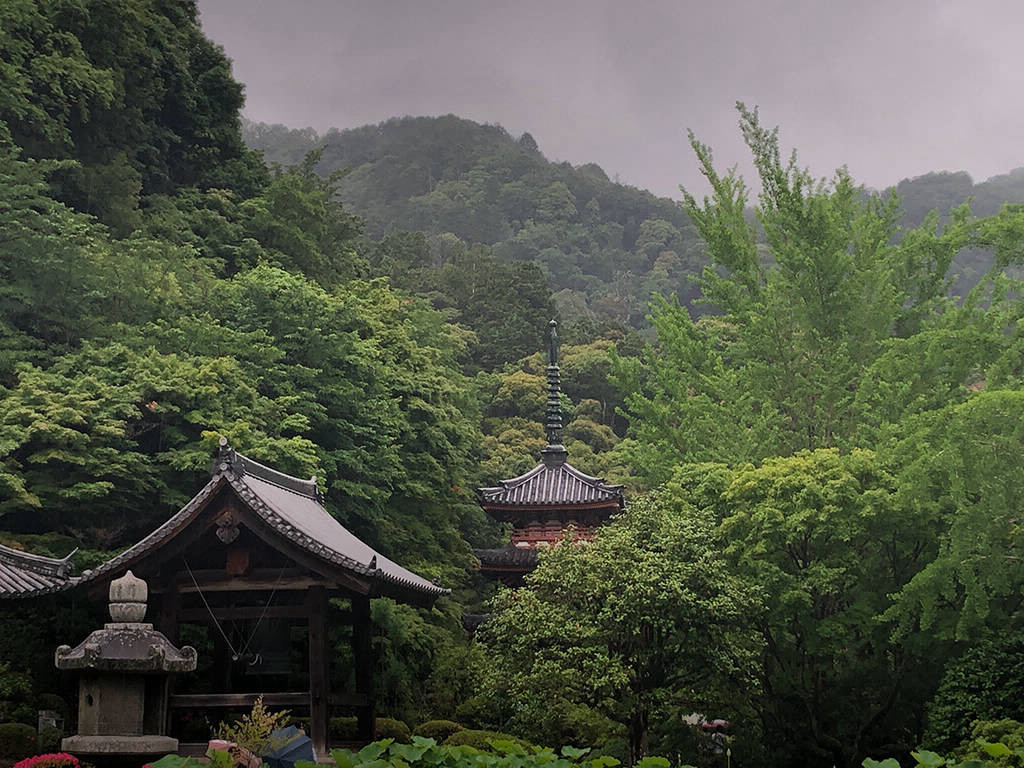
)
(127, 644)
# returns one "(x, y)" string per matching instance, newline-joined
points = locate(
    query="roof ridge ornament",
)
(230, 460)
(554, 454)
(226, 460)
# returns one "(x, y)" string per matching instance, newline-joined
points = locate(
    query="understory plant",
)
(423, 752)
(254, 730)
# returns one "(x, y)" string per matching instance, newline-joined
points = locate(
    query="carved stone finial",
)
(128, 597)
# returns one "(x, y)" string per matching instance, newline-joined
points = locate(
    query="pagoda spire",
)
(555, 453)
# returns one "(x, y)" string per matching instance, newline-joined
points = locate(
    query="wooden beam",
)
(214, 575)
(249, 584)
(339, 575)
(362, 651)
(202, 616)
(319, 672)
(238, 700)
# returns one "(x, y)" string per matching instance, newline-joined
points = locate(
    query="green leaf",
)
(889, 762)
(574, 753)
(373, 751)
(995, 749)
(170, 761)
(653, 762)
(928, 759)
(344, 758)
(409, 752)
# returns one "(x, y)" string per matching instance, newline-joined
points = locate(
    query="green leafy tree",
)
(609, 638)
(801, 316)
(827, 537)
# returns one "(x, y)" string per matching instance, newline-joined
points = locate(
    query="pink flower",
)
(52, 760)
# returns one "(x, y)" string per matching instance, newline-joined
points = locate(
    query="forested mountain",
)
(943, 192)
(602, 246)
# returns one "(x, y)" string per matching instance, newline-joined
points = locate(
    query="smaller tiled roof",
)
(552, 484)
(292, 507)
(23, 574)
(507, 557)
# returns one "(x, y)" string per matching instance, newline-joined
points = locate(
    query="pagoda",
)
(550, 503)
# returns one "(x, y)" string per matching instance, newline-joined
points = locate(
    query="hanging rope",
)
(235, 654)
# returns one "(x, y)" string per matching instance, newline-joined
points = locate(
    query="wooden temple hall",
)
(256, 560)
(551, 501)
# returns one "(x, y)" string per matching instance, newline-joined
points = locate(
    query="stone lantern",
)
(124, 667)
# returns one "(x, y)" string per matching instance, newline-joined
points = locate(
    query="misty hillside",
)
(944, 190)
(604, 247)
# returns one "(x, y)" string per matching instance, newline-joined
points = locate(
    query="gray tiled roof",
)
(558, 484)
(508, 557)
(292, 507)
(23, 574)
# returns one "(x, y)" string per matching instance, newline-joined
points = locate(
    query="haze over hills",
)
(603, 247)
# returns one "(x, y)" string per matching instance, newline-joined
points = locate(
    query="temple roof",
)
(554, 482)
(508, 557)
(552, 485)
(292, 507)
(23, 574)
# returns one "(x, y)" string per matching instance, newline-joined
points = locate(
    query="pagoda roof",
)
(511, 557)
(552, 484)
(23, 574)
(291, 507)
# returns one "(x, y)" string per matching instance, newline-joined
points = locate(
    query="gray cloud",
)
(890, 89)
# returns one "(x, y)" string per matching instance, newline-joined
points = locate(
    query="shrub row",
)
(17, 740)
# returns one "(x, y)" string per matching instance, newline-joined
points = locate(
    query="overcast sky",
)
(890, 88)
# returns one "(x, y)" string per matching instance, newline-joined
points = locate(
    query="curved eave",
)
(512, 513)
(24, 574)
(558, 486)
(382, 583)
(144, 547)
(508, 558)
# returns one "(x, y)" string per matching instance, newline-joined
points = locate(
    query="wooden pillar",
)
(170, 603)
(319, 683)
(362, 651)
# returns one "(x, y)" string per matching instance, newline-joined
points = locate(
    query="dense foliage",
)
(617, 637)
(602, 246)
(825, 404)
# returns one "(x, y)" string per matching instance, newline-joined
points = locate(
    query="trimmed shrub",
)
(438, 730)
(17, 740)
(480, 739)
(342, 728)
(347, 729)
(388, 728)
(25, 713)
(49, 740)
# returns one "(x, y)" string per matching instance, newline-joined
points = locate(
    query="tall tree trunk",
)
(638, 727)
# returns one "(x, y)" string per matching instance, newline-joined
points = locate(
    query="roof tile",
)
(560, 484)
